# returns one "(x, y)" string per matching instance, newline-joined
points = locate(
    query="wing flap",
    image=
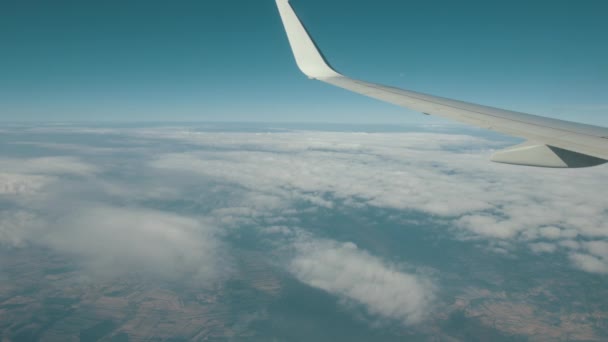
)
(535, 154)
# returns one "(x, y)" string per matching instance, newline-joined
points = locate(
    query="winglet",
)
(308, 57)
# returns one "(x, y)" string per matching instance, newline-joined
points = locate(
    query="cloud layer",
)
(163, 208)
(447, 176)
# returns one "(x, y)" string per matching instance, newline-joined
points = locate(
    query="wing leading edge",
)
(550, 142)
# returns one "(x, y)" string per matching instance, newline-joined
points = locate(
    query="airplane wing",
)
(549, 142)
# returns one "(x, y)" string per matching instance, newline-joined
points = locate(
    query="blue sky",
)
(230, 61)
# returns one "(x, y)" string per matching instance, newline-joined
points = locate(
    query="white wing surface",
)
(550, 142)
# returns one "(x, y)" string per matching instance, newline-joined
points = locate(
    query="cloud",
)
(344, 270)
(299, 165)
(16, 227)
(111, 241)
(47, 166)
(569, 244)
(22, 184)
(148, 241)
(542, 247)
(29, 176)
(598, 248)
(98, 222)
(589, 263)
(596, 258)
(489, 226)
(446, 176)
(553, 233)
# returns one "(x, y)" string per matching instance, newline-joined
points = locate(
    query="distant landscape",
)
(293, 232)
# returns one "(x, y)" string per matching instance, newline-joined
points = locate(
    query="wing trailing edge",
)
(540, 155)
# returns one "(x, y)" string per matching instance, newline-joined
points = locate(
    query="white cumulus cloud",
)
(344, 270)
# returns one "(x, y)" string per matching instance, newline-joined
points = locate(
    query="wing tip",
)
(308, 57)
